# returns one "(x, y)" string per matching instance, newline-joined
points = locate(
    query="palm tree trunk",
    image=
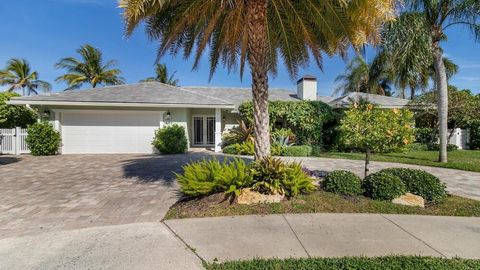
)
(442, 90)
(257, 58)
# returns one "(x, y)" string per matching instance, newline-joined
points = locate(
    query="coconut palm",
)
(19, 75)
(435, 17)
(89, 69)
(362, 77)
(258, 32)
(162, 76)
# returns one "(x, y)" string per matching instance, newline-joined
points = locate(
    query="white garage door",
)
(108, 132)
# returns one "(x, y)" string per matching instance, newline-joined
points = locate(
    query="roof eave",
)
(118, 104)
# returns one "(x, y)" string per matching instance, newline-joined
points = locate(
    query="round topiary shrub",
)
(344, 183)
(43, 139)
(382, 186)
(420, 183)
(171, 140)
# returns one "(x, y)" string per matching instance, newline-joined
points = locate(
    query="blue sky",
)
(44, 31)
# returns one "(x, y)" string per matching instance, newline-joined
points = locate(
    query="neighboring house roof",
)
(147, 93)
(382, 101)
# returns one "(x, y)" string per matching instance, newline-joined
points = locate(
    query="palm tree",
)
(258, 32)
(18, 75)
(162, 76)
(362, 77)
(407, 45)
(435, 17)
(89, 69)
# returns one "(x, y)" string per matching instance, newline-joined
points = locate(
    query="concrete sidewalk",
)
(134, 246)
(329, 235)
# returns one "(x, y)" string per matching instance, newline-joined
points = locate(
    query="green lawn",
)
(460, 159)
(391, 263)
(319, 202)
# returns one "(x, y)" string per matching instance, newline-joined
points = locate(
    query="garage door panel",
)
(109, 132)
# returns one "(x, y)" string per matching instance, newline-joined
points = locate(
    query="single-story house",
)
(123, 118)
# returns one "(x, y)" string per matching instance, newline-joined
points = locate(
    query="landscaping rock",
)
(248, 196)
(410, 200)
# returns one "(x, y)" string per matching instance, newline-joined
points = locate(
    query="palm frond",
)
(297, 30)
(89, 69)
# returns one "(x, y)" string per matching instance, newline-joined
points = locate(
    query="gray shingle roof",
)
(239, 95)
(163, 94)
(148, 92)
(382, 101)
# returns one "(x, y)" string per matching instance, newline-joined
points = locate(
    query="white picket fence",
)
(12, 141)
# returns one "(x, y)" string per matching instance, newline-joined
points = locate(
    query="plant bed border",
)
(318, 202)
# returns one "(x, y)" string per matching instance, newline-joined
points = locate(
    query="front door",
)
(203, 130)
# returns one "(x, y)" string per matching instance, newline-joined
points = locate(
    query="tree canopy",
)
(18, 75)
(163, 76)
(90, 68)
(369, 129)
(463, 108)
(14, 116)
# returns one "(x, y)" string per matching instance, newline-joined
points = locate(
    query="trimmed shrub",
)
(382, 186)
(420, 183)
(305, 118)
(436, 147)
(344, 183)
(230, 149)
(43, 139)
(170, 140)
(298, 151)
(426, 135)
(316, 150)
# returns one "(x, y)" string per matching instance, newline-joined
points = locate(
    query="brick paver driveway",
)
(39, 194)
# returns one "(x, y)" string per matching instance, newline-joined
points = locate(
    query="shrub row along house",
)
(123, 119)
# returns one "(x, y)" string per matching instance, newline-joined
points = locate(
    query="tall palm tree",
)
(89, 69)
(362, 77)
(19, 75)
(435, 17)
(162, 76)
(407, 46)
(258, 32)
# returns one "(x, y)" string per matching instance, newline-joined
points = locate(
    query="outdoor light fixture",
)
(46, 114)
(169, 117)
(224, 119)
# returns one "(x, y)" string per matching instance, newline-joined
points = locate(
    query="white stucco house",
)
(122, 119)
